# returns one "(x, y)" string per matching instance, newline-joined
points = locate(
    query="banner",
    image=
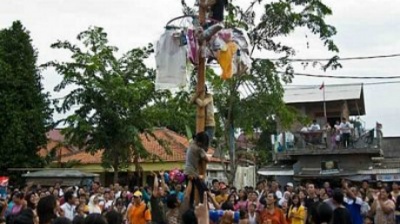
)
(3, 186)
(330, 167)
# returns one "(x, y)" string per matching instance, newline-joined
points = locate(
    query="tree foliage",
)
(25, 115)
(108, 99)
(250, 101)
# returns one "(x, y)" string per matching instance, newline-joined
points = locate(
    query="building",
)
(160, 159)
(303, 153)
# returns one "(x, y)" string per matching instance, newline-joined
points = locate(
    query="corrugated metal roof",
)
(276, 172)
(332, 93)
(379, 171)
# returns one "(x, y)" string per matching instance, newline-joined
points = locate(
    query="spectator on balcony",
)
(327, 128)
(315, 126)
(345, 128)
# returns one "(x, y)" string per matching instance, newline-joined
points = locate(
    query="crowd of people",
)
(169, 203)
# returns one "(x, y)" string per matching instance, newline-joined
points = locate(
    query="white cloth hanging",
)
(170, 61)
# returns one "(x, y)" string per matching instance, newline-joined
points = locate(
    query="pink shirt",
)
(241, 205)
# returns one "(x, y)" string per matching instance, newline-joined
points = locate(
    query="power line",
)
(338, 59)
(294, 87)
(343, 77)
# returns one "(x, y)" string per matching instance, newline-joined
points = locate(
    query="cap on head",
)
(137, 194)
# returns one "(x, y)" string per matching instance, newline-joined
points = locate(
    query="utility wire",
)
(338, 59)
(343, 77)
(294, 87)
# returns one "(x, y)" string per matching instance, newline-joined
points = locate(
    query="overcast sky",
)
(365, 27)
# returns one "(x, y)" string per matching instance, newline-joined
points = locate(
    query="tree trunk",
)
(116, 170)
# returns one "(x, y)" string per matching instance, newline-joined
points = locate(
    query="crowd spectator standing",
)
(166, 202)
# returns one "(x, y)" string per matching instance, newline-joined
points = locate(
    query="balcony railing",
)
(310, 141)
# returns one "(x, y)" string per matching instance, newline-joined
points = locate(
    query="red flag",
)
(322, 86)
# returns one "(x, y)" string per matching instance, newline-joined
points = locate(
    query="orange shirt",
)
(139, 214)
(277, 217)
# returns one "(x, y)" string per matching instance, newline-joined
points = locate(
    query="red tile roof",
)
(177, 145)
(51, 144)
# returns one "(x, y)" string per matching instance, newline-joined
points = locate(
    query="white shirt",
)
(350, 201)
(345, 127)
(278, 194)
(69, 210)
(315, 127)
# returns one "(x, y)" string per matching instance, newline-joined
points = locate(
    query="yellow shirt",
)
(298, 214)
(221, 198)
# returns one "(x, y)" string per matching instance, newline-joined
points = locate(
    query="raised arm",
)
(156, 192)
(186, 199)
(163, 184)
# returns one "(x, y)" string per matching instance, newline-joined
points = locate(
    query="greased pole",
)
(201, 73)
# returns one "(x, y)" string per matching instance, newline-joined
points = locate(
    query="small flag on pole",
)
(322, 86)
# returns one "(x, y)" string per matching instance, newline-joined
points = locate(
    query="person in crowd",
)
(32, 200)
(311, 202)
(302, 196)
(395, 191)
(229, 203)
(242, 203)
(397, 209)
(276, 190)
(340, 215)
(156, 200)
(290, 188)
(172, 215)
(215, 187)
(80, 210)
(114, 217)
(260, 187)
(138, 212)
(93, 205)
(383, 208)
(69, 206)
(271, 212)
(26, 216)
(18, 203)
(243, 217)
(286, 198)
(95, 218)
(366, 189)
(353, 203)
(119, 206)
(108, 200)
(252, 214)
(223, 196)
(47, 209)
(296, 211)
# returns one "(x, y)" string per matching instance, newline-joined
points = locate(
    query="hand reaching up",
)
(201, 211)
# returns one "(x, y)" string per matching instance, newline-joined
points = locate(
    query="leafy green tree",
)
(25, 115)
(250, 101)
(108, 99)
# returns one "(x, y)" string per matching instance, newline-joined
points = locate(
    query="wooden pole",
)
(201, 81)
(201, 111)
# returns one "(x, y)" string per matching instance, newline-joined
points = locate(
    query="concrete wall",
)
(391, 147)
(346, 162)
